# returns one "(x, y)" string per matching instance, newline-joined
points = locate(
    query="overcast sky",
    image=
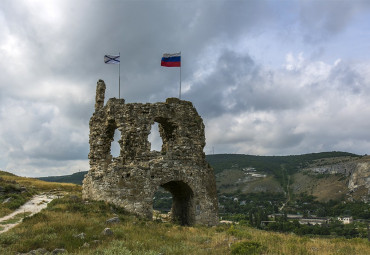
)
(267, 77)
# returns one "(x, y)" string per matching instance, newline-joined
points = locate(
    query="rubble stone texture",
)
(131, 179)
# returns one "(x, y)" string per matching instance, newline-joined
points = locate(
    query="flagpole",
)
(180, 78)
(119, 77)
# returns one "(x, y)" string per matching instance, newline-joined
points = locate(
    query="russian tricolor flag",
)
(171, 60)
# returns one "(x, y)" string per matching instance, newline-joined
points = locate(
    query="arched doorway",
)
(183, 208)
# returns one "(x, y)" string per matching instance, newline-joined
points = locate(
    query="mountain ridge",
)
(344, 175)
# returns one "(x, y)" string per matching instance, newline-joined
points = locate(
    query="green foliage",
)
(16, 200)
(279, 166)
(333, 229)
(268, 202)
(246, 248)
(117, 247)
(13, 193)
(9, 238)
(15, 218)
(162, 200)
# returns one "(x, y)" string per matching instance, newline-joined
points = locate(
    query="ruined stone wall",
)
(131, 179)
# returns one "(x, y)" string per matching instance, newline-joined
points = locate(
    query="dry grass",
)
(60, 223)
(20, 189)
(329, 187)
(41, 186)
(65, 218)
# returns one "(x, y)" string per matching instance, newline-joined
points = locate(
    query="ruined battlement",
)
(130, 179)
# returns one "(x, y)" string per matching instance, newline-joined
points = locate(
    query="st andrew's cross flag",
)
(111, 59)
(171, 60)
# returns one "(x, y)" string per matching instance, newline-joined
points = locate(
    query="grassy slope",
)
(57, 226)
(68, 216)
(329, 187)
(20, 189)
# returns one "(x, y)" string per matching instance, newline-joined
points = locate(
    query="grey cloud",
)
(302, 116)
(320, 20)
(49, 74)
(348, 79)
(239, 84)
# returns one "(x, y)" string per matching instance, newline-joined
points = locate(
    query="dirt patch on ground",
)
(35, 205)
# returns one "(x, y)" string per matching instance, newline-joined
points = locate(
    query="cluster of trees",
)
(335, 228)
(306, 205)
(162, 201)
(259, 219)
(253, 209)
(303, 204)
(244, 203)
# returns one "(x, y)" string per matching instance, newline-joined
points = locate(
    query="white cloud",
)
(329, 114)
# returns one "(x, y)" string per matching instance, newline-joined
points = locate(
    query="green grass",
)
(59, 225)
(16, 218)
(20, 189)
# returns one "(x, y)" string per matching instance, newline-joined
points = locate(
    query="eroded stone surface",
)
(131, 179)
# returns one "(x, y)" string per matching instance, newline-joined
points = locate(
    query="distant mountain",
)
(326, 175)
(75, 178)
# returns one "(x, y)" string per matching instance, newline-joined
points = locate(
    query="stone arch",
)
(183, 204)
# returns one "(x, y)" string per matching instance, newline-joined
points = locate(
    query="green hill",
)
(270, 164)
(75, 178)
(221, 162)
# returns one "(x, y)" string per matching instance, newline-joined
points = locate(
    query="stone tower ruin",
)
(131, 179)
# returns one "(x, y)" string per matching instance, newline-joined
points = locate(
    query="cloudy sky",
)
(268, 77)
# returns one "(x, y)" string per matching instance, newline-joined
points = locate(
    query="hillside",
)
(326, 175)
(75, 178)
(75, 226)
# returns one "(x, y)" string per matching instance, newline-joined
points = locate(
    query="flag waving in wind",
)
(114, 59)
(111, 59)
(171, 60)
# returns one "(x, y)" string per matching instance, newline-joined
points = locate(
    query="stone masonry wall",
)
(131, 179)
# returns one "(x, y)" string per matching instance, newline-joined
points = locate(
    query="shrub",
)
(238, 232)
(244, 248)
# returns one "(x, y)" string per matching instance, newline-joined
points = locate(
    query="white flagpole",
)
(119, 77)
(180, 76)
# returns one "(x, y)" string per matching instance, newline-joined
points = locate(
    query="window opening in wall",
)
(155, 138)
(115, 146)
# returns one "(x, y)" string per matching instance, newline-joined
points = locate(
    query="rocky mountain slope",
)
(334, 178)
(327, 175)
